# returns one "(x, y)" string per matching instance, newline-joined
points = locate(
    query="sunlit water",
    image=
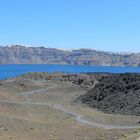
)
(8, 71)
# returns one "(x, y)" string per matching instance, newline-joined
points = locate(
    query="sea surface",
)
(9, 71)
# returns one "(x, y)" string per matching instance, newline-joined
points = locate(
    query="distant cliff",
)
(17, 54)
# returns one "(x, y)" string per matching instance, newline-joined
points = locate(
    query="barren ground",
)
(43, 110)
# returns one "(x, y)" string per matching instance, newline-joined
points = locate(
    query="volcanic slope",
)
(115, 94)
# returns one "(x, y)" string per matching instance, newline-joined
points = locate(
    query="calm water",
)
(7, 71)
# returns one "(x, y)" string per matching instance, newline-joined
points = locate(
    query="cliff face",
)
(17, 54)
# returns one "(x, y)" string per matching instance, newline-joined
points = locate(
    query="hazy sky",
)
(112, 25)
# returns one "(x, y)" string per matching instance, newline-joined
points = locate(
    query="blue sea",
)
(9, 71)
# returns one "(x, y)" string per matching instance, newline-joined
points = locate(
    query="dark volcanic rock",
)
(115, 94)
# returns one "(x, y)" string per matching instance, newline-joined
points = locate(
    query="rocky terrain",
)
(40, 106)
(111, 93)
(17, 54)
(83, 80)
(115, 94)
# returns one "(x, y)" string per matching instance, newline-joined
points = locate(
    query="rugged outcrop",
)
(83, 80)
(115, 94)
(17, 54)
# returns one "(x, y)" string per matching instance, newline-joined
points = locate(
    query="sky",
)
(110, 25)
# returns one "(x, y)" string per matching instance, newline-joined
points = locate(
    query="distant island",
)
(18, 54)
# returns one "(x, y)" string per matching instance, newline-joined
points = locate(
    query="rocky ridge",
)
(17, 54)
(87, 81)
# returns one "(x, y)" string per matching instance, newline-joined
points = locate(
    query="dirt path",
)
(78, 117)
